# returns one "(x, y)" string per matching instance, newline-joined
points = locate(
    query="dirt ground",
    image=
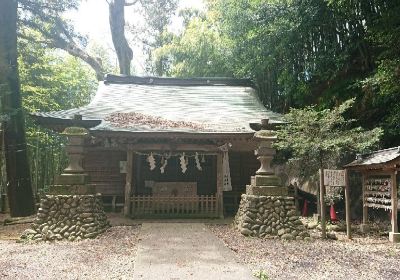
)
(361, 258)
(112, 255)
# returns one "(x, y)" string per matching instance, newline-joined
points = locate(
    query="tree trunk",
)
(76, 51)
(117, 26)
(19, 189)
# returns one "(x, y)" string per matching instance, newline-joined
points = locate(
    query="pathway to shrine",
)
(178, 251)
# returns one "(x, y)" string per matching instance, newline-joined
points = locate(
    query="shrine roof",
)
(375, 158)
(151, 104)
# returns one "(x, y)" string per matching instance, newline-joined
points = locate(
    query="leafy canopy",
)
(320, 139)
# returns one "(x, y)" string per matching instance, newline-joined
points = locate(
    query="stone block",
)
(267, 180)
(72, 179)
(72, 189)
(266, 191)
(394, 237)
(364, 228)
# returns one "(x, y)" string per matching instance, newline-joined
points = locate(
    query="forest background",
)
(297, 52)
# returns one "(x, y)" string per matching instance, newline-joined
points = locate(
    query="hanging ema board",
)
(377, 192)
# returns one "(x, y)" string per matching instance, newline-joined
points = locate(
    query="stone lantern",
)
(71, 210)
(74, 180)
(266, 209)
(265, 182)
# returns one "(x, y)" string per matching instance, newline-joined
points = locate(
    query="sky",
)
(92, 20)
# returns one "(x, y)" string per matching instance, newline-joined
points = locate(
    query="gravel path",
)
(110, 256)
(185, 251)
(362, 258)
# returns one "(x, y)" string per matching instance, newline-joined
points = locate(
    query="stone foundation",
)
(264, 216)
(68, 217)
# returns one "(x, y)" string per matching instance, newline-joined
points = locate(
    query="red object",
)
(333, 213)
(305, 208)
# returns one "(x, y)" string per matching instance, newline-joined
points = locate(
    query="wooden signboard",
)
(334, 178)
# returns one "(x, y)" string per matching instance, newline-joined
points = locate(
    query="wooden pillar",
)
(220, 178)
(395, 228)
(347, 202)
(128, 184)
(296, 197)
(322, 201)
(365, 208)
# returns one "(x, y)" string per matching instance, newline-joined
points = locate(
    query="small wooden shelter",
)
(380, 189)
(169, 147)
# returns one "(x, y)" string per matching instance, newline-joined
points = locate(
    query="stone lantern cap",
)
(75, 131)
(265, 135)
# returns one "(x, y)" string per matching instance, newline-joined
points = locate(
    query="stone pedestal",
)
(68, 217)
(264, 216)
(364, 228)
(265, 209)
(72, 210)
(394, 237)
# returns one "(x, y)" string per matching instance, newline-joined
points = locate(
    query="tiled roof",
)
(216, 105)
(376, 158)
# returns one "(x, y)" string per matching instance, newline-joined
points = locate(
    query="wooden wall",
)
(103, 168)
(243, 165)
(206, 179)
(104, 171)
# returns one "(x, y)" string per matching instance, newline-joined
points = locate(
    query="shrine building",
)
(167, 147)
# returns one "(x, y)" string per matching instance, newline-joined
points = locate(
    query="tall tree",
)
(157, 15)
(46, 17)
(19, 189)
(117, 26)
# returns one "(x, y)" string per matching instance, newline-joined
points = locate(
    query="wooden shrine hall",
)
(380, 180)
(168, 147)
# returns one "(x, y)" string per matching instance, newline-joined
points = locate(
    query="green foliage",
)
(52, 80)
(299, 53)
(262, 275)
(319, 139)
(198, 52)
(157, 15)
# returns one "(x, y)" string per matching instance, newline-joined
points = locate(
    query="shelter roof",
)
(151, 104)
(376, 158)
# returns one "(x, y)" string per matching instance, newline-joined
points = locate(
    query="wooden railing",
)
(174, 206)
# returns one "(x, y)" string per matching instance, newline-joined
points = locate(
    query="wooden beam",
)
(375, 169)
(220, 183)
(322, 201)
(174, 135)
(395, 228)
(128, 184)
(347, 201)
(173, 147)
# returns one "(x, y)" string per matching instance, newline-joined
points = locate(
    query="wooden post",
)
(128, 184)
(395, 228)
(220, 178)
(347, 202)
(296, 197)
(365, 208)
(322, 201)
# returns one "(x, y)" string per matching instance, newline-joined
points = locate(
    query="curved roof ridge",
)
(167, 81)
(382, 150)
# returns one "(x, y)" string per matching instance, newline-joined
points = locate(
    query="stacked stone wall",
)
(68, 217)
(273, 216)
